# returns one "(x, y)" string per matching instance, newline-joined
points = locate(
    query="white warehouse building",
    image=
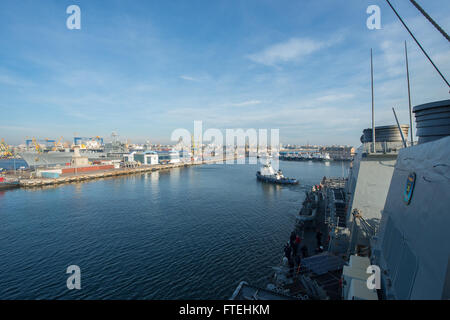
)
(146, 158)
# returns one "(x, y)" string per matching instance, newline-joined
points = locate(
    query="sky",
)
(145, 68)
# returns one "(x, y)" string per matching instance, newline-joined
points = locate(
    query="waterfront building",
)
(146, 158)
(168, 156)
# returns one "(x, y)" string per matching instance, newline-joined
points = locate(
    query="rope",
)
(421, 48)
(434, 23)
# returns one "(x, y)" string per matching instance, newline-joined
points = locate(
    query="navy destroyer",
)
(385, 225)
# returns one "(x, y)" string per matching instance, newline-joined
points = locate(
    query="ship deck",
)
(319, 274)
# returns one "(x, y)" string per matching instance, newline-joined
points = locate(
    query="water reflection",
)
(78, 188)
(270, 189)
(154, 178)
(174, 175)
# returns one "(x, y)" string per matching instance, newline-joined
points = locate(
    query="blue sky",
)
(145, 68)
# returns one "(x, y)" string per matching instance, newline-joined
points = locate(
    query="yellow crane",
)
(58, 144)
(4, 150)
(36, 145)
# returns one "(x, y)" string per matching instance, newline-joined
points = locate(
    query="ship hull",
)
(52, 158)
(9, 185)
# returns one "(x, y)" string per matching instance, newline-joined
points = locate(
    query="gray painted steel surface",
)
(432, 120)
(413, 247)
(385, 134)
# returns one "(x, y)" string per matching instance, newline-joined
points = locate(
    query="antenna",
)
(373, 111)
(409, 95)
(399, 128)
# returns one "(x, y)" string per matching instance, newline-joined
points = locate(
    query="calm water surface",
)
(191, 233)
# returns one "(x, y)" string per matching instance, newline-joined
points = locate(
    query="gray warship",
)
(386, 224)
(51, 156)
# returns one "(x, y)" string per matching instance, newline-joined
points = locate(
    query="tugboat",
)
(268, 174)
(6, 183)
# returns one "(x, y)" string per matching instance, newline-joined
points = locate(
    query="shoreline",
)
(41, 182)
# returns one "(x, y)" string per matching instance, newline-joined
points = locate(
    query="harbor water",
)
(185, 233)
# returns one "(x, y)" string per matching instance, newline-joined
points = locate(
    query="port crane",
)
(84, 141)
(4, 150)
(36, 145)
(58, 144)
(40, 144)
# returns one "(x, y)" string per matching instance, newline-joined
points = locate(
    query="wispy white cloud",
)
(335, 97)
(293, 49)
(9, 79)
(189, 78)
(245, 103)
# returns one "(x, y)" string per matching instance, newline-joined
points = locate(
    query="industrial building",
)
(146, 158)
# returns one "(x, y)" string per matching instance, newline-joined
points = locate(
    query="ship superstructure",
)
(389, 219)
(50, 153)
(412, 247)
(387, 225)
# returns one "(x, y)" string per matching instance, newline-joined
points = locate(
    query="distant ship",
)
(268, 174)
(305, 156)
(36, 157)
(6, 183)
(50, 158)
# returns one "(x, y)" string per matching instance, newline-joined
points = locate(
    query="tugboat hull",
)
(8, 183)
(275, 180)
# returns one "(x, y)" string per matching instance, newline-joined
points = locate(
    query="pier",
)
(33, 182)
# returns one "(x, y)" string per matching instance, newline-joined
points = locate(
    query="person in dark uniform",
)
(292, 238)
(298, 262)
(287, 251)
(304, 251)
(296, 246)
(291, 266)
(319, 238)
